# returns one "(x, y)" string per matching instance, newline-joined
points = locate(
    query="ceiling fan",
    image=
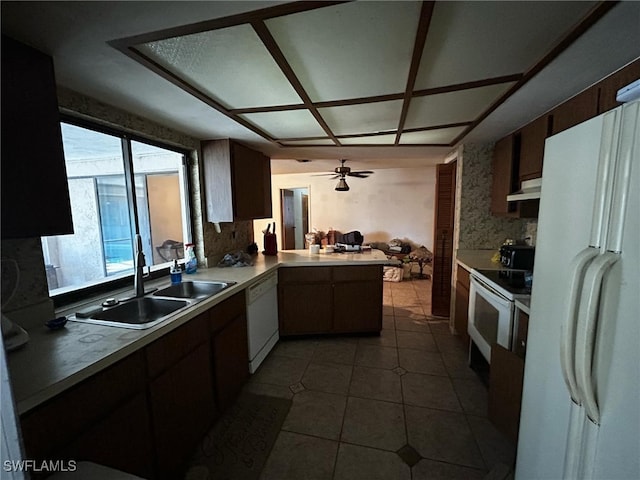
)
(342, 172)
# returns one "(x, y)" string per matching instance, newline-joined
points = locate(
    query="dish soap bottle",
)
(176, 273)
(191, 262)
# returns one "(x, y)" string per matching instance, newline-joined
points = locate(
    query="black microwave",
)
(517, 256)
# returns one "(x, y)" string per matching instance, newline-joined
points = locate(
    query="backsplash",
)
(24, 281)
(476, 227)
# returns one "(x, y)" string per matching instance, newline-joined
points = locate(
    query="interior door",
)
(443, 239)
(305, 218)
(288, 220)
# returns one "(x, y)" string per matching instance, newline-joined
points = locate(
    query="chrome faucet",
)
(138, 279)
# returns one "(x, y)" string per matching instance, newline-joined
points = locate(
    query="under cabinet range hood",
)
(530, 190)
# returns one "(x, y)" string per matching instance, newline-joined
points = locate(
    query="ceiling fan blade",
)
(322, 174)
(368, 172)
(357, 175)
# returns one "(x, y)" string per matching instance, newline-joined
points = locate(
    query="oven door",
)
(490, 317)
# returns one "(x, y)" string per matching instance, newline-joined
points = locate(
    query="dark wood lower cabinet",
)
(356, 307)
(305, 308)
(461, 317)
(230, 360)
(183, 409)
(320, 300)
(146, 414)
(505, 391)
(122, 440)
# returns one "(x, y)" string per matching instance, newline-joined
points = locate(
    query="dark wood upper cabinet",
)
(532, 138)
(609, 86)
(237, 181)
(576, 110)
(35, 194)
(504, 176)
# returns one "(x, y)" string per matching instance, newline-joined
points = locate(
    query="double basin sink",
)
(145, 312)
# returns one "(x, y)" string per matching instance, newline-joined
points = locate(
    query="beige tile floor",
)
(403, 405)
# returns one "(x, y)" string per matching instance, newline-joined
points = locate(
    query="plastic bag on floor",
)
(392, 274)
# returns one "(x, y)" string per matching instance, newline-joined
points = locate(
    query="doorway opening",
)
(294, 206)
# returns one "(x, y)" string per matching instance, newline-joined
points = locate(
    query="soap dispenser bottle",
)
(176, 273)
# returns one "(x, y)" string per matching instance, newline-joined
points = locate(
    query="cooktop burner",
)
(514, 281)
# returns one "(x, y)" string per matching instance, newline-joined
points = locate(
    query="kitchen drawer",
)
(169, 349)
(359, 273)
(226, 311)
(304, 274)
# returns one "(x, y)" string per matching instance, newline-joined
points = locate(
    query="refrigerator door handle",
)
(627, 151)
(578, 267)
(586, 332)
(605, 175)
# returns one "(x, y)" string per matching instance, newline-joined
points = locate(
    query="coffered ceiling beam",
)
(426, 13)
(273, 48)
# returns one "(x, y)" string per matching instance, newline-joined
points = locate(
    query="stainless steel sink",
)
(194, 290)
(138, 313)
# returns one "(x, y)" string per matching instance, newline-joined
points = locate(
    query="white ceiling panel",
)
(351, 50)
(475, 40)
(287, 124)
(231, 65)
(452, 107)
(438, 136)
(361, 48)
(370, 140)
(363, 118)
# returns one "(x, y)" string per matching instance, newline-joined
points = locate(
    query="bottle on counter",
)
(176, 273)
(191, 262)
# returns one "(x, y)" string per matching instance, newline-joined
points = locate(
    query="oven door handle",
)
(497, 296)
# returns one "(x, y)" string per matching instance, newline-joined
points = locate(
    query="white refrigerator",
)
(580, 415)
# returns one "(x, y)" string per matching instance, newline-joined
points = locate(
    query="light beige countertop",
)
(53, 361)
(469, 259)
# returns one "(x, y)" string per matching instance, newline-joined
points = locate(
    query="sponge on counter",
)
(87, 312)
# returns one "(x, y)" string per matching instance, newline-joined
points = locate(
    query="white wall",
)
(391, 203)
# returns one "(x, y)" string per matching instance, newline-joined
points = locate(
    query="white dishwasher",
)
(262, 319)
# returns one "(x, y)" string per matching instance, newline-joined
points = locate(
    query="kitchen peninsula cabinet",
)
(35, 194)
(237, 182)
(357, 299)
(321, 300)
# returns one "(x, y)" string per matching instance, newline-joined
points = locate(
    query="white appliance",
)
(492, 298)
(580, 415)
(262, 319)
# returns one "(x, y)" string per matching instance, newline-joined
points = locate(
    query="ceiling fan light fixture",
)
(342, 186)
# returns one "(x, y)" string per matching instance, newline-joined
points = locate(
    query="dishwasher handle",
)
(261, 287)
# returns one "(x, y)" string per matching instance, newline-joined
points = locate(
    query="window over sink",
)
(119, 186)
